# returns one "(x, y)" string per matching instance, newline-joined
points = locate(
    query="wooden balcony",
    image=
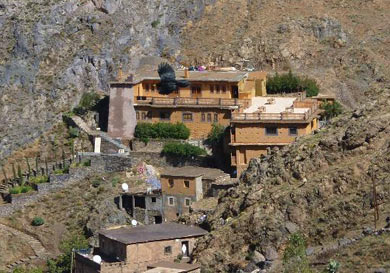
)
(193, 102)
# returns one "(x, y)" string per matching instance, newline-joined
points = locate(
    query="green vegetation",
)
(182, 150)
(332, 267)
(331, 110)
(145, 131)
(25, 270)
(290, 83)
(39, 179)
(294, 258)
(216, 134)
(96, 183)
(64, 170)
(87, 102)
(37, 221)
(20, 189)
(62, 264)
(115, 181)
(74, 132)
(155, 23)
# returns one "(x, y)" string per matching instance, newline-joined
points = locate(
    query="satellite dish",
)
(125, 187)
(134, 222)
(97, 259)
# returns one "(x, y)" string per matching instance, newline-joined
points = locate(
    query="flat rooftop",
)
(149, 233)
(278, 105)
(197, 76)
(166, 266)
(192, 171)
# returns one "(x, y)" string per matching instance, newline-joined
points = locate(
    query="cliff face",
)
(321, 186)
(54, 50)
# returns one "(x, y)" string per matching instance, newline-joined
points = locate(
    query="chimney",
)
(186, 73)
(120, 74)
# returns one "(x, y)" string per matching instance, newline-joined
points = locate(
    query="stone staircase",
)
(37, 247)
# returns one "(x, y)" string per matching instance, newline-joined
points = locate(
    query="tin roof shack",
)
(128, 250)
(183, 186)
(270, 122)
(145, 208)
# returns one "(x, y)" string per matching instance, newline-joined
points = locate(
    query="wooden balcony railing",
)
(195, 101)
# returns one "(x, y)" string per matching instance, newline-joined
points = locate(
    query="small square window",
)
(186, 183)
(187, 202)
(167, 250)
(293, 131)
(171, 183)
(187, 117)
(271, 131)
(165, 116)
(171, 201)
(153, 199)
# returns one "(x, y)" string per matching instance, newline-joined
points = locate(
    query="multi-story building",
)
(183, 186)
(135, 249)
(211, 98)
(269, 122)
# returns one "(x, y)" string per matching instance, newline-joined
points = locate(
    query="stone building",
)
(145, 208)
(270, 122)
(211, 98)
(135, 249)
(183, 186)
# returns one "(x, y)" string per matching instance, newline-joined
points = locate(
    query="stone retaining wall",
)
(157, 160)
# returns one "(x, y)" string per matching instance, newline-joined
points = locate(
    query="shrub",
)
(155, 23)
(87, 102)
(331, 110)
(115, 181)
(289, 83)
(96, 183)
(333, 266)
(74, 132)
(86, 163)
(20, 189)
(182, 150)
(37, 221)
(39, 179)
(216, 134)
(294, 258)
(145, 131)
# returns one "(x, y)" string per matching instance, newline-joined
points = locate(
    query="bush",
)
(74, 132)
(182, 150)
(37, 221)
(39, 179)
(87, 102)
(20, 189)
(290, 83)
(333, 266)
(145, 131)
(96, 183)
(331, 110)
(294, 258)
(216, 134)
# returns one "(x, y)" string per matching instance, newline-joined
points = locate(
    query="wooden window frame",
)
(189, 202)
(173, 201)
(294, 128)
(165, 112)
(215, 117)
(171, 183)
(187, 120)
(209, 117)
(186, 185)
(203, 117)
(270, 134)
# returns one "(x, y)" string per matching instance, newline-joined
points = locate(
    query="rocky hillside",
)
(321, 186)
(54, 50)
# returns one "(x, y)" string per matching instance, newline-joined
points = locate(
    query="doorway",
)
(185, 248)
(158, 219)
(235, 92)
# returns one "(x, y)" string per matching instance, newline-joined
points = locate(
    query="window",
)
(171, 183)
(146, 87)
(217, 88)
(187, 202)
(143, 115)
(293, 131)
(152, 87)
(137, 115)
(171, 201)
(167, 250)
(215, 117)
(271, 131)
(187, 117)
(186, 184)
(208, 117)
(165, 116)
(203, 117)
(224, 88)
(153, 199)
(212, 88)
(196, 89)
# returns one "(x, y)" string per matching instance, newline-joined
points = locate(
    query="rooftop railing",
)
(195, 101)
(287, 115)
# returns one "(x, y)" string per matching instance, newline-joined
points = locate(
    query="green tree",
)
(290, 83)
(184, 150)
(331, 110)
(62, 264)
(216, 134)
(294, 258)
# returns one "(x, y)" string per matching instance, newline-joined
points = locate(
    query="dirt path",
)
(37, 247)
